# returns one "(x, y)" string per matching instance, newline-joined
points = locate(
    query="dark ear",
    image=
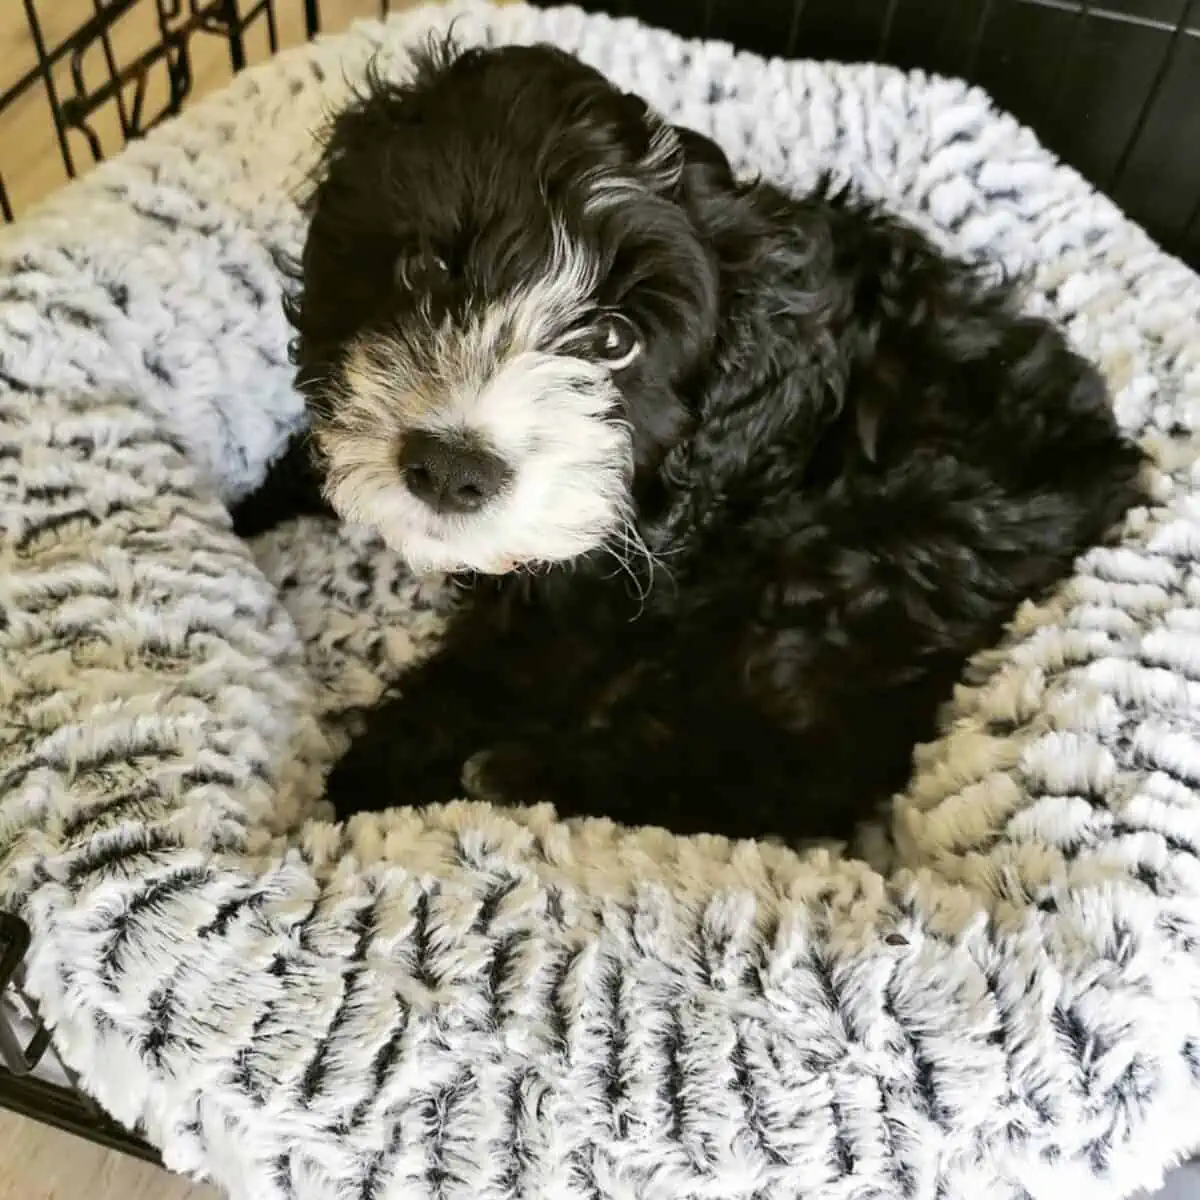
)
(688, 168)
(660, 156)
(708, 189)
(706, 167)
(678, 161)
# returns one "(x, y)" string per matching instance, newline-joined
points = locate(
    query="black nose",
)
(451, 475)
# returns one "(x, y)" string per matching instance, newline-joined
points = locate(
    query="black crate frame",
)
(178, 21)
(23, 1092)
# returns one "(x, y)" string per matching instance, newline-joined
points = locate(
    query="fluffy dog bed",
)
(475, 1003)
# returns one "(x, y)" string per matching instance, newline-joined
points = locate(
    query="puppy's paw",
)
(506, 774)
(364, 780)
(475, 780)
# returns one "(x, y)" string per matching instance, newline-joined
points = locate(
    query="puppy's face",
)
(502, 299)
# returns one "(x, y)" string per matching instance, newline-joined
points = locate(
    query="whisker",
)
(634, 558)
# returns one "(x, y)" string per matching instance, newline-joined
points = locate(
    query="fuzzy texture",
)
(468, 1002)
(844, 457)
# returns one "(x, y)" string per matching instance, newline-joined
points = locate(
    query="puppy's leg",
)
(726, 776)
(673, 749)
(481, 687)
(292, 488)
(414, 746)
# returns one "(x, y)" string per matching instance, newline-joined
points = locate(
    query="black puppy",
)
(738, 480)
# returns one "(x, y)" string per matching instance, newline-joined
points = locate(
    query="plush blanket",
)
(1001, 998)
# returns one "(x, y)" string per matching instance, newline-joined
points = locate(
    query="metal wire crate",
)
(85, 77)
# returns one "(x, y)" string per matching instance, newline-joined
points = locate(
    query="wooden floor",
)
(37, 1163)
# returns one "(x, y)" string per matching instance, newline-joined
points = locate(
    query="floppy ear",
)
(663, 163)
(706, 168)
(660, 159)
(679, 162)
(716, 201)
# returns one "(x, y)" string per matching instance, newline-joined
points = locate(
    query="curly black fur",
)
(854, 457)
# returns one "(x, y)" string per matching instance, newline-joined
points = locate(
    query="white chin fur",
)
(551, 417)
(548, 416)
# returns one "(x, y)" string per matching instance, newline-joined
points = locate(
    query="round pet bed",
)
(474, 1003)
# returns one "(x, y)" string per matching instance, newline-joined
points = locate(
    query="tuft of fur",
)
(756, 558)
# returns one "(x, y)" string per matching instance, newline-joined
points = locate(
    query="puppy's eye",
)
(421, 270)
(615, 341)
